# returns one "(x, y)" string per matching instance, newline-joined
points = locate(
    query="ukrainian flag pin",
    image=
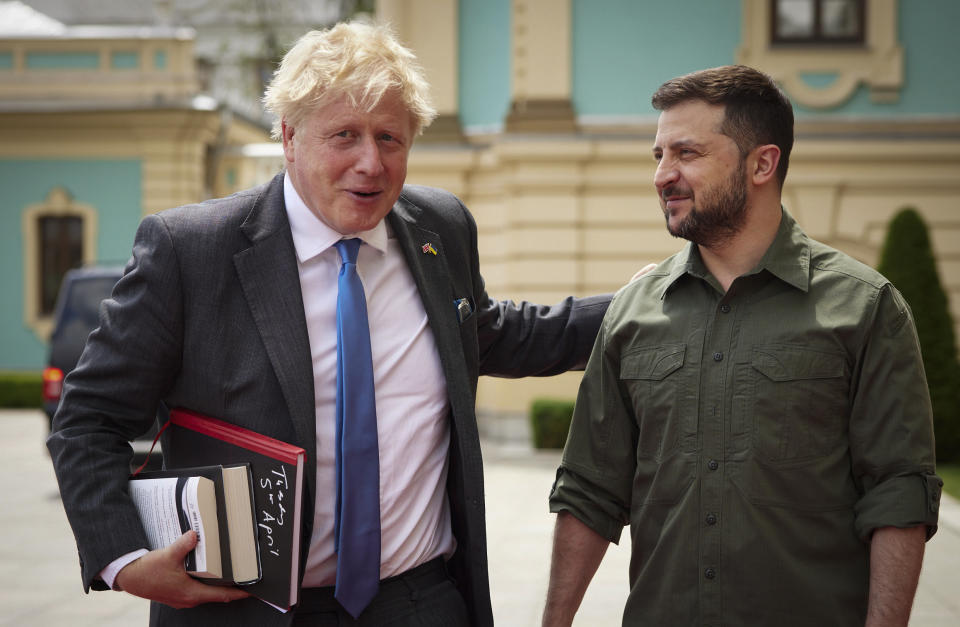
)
(428, 248)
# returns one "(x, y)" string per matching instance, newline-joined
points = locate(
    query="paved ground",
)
(40, 579)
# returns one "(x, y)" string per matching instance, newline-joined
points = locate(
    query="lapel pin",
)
(428, 248)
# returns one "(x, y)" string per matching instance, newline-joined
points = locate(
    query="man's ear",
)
(764, 164)
(287, 136)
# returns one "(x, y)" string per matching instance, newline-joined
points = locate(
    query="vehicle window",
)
(83, 301)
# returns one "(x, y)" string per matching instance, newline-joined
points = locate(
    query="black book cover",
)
(277, 468)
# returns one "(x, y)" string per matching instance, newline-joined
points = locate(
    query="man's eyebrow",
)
(681, 143)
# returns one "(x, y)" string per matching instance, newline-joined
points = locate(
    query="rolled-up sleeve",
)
(573, 494)
(891, 425)
(596, 474)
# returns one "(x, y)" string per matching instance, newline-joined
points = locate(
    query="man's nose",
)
(368, 159)
(665, 175)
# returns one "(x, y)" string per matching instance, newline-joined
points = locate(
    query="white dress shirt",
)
(413, 428)
(412, 407)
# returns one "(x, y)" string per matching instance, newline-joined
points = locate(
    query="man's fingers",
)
(199, 592)
(192, 593)
(160, 576)
(643, 271)
(229, 593)
(182, 545)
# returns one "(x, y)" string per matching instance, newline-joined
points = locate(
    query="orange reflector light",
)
(52, 384)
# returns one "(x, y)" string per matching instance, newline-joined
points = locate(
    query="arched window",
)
(58, 234)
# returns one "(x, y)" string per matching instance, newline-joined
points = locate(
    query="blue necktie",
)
(357, 525)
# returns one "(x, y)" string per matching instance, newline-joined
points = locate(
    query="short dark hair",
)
(756, 111)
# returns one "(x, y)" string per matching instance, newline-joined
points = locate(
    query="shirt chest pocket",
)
(655, 380)
(798, 402)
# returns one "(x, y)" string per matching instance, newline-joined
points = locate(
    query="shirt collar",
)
(312, 236)
(787, 258)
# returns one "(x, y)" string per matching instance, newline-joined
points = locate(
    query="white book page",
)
(156, 500)
(192, 507)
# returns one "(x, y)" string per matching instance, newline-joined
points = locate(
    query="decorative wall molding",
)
(878, 64)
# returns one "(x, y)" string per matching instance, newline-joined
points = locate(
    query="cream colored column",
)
(431, 29)
(541, 81)
(174, 153)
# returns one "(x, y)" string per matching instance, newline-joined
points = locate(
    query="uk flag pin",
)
(428, 248)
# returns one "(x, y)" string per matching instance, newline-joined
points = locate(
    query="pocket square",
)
(464, 309)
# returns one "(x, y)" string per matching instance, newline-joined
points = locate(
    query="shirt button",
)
(710, 573)
(711, 519)
(718, 357)
(713, 464)
(725, 308)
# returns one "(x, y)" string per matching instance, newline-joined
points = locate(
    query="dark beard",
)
(721, 214)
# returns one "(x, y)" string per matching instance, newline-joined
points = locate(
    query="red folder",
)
(278, 470)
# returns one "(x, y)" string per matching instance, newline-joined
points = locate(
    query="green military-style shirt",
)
(752, 439)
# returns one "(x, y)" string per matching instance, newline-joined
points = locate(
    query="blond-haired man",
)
(229, 308)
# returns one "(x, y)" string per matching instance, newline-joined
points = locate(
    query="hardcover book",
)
(277, 470)
(214, 501)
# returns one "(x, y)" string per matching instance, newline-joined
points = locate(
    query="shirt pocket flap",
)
(652, 364)
(792, 363)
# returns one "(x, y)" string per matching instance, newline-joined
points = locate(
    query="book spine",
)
(197, 558)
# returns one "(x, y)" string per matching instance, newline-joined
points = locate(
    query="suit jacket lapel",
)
(271, 285)
(432, 276)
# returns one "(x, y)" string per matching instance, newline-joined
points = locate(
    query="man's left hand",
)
(645, 269)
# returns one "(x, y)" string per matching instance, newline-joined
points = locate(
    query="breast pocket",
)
(655, 380)
(464, 311)
(799, 401)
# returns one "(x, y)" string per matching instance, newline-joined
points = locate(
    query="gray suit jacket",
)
(209, 316)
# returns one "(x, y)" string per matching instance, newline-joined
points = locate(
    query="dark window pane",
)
(817, 22)
(61, 248)
(84, 299)
(840, 19)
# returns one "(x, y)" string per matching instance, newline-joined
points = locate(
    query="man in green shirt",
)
(755, 408)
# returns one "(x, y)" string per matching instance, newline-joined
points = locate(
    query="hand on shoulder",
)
(642, 271)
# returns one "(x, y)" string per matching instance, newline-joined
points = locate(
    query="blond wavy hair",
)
(356, 60)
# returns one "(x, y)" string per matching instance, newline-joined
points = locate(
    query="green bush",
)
(550, 422)
(907, 260)
(950, 473)
(21, 390)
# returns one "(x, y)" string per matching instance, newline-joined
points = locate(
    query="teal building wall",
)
(622, 50)
(484, 63)
(111, 186)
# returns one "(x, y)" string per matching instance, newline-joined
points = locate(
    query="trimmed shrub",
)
(907, 261)
(21, 390)
(550, 422)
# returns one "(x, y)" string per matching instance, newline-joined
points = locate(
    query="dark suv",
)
(75, 316)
